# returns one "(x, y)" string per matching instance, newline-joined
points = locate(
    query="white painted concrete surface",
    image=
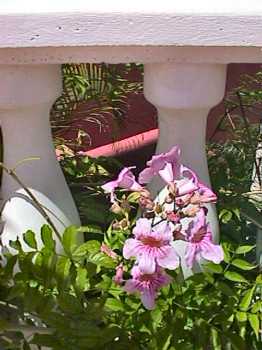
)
(183, 95)
(185, 46)
(26, 96)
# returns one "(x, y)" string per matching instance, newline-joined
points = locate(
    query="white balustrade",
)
(185, 47)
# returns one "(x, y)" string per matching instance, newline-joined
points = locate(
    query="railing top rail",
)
(56, 23)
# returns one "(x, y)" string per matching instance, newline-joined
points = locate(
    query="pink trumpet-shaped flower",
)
(188, 182)
(166, 165)
(118, 278)
(126, 179)
(147, 285)
(203, 195)
(152, 246)
(199, 237)
(191, 191)
(108, 251)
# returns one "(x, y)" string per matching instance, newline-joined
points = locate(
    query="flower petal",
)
(212, 252)
(169, 260)
(190, 255)
(146, 263)
(148, 299)
(167, 173)
(142, 228)
(110, 186)
(130, 286)
(173, 155)
(146, 176)
(131, 248)
(164, 231)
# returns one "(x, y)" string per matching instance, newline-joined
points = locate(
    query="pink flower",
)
(172, 216)
(199, 237)
(152, 246)
(126, 179)
(188, 182)
(203, 195)
(147, 285)
(108, 251)
(165, 165)
(118, 278)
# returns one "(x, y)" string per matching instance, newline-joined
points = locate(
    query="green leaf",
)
(90, 229)
(215, 268)
(226, 249)
(133, 197)
(103, 260)
(9, 267)
(63, 269)
(237, 342)
(243, 264)
(235, 277)
(246, 300)
(82, 282)
(225, 289)
(45, 340)
(89, 247)
(70, 304)
(47, 237)
(215, 339)
(225, 215)
(254, 323)
(29, 238)
(256, 307)
(16, 245)
(114, 304)
(241, 316)
(70, 239)
(244, 249)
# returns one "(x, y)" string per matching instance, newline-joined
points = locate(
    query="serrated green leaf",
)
(244, 249)
(243, 264)
(235, 277)
(29, 238)
(246, 300)
(47, 237)
(254, 323)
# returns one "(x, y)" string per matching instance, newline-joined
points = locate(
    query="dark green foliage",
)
(74, 296)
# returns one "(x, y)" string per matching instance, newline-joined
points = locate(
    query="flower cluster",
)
(180, 215)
